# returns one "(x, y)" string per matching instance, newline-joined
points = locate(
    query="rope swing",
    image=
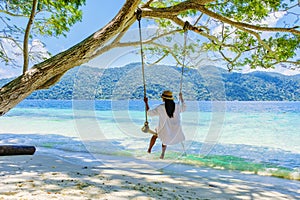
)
(146, 128)
(185, 28)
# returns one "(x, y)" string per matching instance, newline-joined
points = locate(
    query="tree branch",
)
(158, 60)
(26, 36)
(245, 25)
(147, 4)
(11, 14)
(171, 12)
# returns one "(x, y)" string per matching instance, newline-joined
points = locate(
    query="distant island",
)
(203, 84)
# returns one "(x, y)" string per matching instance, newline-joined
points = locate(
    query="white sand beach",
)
(64, 165)
(47, 176)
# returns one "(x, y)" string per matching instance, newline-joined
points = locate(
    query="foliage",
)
(62, 14)
(247, 11)
(238, 33)
(278, 47)
(240, 41)
(52, 18)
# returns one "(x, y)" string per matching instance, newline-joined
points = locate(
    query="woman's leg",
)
(152, 142)
(163, 150)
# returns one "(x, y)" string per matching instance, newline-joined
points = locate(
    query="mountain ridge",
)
(206, 83)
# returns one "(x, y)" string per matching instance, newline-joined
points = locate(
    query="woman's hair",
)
(170, 107)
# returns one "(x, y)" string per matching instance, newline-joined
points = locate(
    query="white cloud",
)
(273, 18)
(12, 51)
(277, 69)
(9, 71)
(38, 46)
(37, 51)
(272, 21)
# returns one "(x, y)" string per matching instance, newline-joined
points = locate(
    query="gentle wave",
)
(256, 137)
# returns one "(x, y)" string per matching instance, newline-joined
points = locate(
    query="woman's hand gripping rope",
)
(146, 128)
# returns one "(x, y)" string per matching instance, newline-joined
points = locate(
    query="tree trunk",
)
(26, 36)
(9, 150)
(47, 73)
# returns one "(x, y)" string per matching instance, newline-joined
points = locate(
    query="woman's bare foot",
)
(162, 156)
(163, 150)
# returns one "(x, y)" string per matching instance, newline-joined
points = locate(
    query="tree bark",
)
(26, 36)
(8, 150)
(45, 74)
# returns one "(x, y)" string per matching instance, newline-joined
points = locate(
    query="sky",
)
(96, 14)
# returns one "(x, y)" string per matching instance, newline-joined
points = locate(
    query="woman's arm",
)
(181, 98)
(146, 103)
(183, 105)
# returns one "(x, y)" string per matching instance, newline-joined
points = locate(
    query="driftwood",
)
(10, 150)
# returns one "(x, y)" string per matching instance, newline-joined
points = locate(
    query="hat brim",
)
(167, 97)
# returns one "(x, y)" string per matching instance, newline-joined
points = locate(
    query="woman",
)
(169, 128)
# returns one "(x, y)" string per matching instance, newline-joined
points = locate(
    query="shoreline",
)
(76, 176)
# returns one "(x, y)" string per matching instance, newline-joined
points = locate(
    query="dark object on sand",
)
(10, 150)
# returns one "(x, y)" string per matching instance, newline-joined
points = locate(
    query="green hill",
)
(206, 83)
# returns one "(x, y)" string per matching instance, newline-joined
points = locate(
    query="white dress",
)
(169, 130)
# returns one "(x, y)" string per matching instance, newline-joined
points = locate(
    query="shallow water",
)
(264, 133)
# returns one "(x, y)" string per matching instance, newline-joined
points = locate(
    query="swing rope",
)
(145, 128)
(185, 29)
(139, 17)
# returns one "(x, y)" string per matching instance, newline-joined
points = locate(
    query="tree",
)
(242, 38)
(44, 18)
(27, 34)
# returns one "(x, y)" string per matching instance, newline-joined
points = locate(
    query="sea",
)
(251, 137)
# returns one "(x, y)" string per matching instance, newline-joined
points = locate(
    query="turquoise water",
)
(258, 137)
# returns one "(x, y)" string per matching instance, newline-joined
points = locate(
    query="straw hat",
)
(167, 94)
